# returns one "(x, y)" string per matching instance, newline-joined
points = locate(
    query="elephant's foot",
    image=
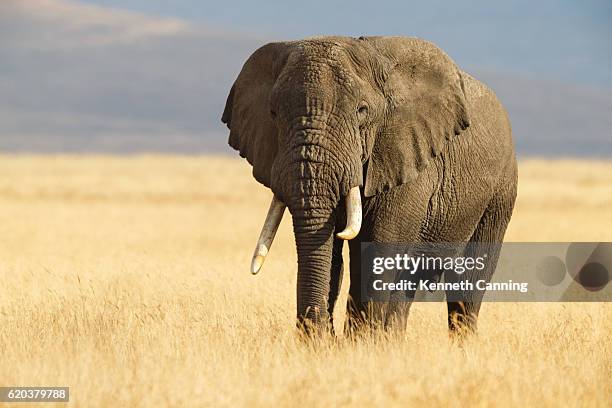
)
(462, 319)
(376, 317)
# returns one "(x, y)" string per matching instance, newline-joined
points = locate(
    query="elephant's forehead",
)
(319, 47)
(330, 48)
(321, 61)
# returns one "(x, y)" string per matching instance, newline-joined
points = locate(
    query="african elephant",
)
(371, 139)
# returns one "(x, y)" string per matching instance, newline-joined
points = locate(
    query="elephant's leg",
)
(488, 235)
(356, 308)
(336, 278)
(396, 316)
(389, 218)
(360, 313)
(390, 313)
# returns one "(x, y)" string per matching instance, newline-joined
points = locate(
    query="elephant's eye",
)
(362, 110)
(272, 113)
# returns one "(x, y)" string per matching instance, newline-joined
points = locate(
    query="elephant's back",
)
(487, 113)
(489, 135)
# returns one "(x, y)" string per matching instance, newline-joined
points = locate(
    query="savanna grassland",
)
(127, 280)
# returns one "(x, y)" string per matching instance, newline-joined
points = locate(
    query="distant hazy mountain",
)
(550, 118)
(76, 78)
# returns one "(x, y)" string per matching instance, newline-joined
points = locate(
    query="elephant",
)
(371, 139)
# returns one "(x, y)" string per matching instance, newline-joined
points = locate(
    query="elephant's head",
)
(320, 118)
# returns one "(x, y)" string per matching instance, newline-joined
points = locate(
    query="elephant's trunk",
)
(314, 243)
(314, 223)
(316, 179)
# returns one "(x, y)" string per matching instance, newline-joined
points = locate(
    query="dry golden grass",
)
(127, 280)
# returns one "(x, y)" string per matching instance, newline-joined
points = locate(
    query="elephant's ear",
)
(247, 110)
(426, 106)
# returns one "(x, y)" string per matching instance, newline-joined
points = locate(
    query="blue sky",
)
(153, 76)
(559, 40)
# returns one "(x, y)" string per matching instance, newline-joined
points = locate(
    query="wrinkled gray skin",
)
(429, 145)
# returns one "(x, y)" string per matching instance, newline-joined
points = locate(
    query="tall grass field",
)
(127, 279)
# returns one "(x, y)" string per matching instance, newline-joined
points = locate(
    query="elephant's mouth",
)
(275, 215)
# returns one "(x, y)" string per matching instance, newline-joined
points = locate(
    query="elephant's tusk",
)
(268, 231)
(353, 215)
